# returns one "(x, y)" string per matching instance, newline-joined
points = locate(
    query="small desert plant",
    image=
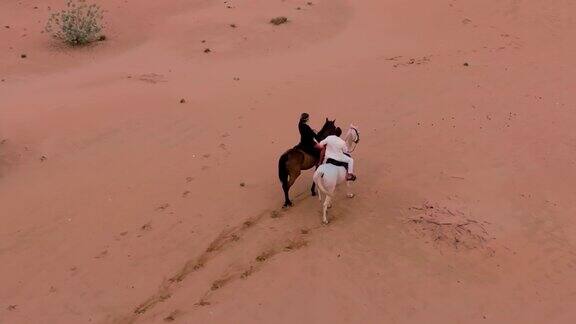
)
(78, 24)
(278, 20)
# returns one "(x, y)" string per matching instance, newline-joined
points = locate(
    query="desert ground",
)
(138, 175)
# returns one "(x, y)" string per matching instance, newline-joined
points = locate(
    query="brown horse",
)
(293, 161)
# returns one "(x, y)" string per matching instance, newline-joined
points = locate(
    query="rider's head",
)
(304, 117)
(338, 131)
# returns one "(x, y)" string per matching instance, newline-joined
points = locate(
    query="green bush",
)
(78, 24)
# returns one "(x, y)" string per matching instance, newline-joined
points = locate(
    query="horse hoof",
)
(351, 195)
(287, 205)
(329, 206)
(325, 222)
(313, 194)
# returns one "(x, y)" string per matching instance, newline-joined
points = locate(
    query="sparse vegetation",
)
(78, 24)
(278, 20)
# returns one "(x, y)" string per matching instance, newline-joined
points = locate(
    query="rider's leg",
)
(350, 170)
(322, 152)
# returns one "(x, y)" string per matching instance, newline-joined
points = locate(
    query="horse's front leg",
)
(349, 193)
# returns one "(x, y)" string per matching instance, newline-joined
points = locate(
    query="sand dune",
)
(121, 203)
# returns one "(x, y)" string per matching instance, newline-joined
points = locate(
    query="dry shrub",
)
(278, 21)
(78, 24)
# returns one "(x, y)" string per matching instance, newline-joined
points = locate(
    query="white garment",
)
(335, 149)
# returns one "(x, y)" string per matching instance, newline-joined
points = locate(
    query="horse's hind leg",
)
(293, 175)
(286, 189)
(327, 203)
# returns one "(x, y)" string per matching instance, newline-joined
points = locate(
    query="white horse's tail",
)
(318, 175)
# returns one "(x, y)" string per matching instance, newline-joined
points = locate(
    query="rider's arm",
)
(312, 133)
(308, 130)
(345, 149)
(321, 145)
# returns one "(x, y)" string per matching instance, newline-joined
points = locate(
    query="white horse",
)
(328, 176)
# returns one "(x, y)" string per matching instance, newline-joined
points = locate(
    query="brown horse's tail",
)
(282, 169)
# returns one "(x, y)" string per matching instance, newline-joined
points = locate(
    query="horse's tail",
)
(318, 175)
(282, 169)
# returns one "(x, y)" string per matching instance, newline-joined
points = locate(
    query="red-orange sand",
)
(119, 204)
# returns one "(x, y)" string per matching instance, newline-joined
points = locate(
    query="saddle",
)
(311, 150)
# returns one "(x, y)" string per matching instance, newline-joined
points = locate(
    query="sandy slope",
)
(464, 201)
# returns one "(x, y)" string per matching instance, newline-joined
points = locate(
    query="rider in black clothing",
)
(308, 137)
